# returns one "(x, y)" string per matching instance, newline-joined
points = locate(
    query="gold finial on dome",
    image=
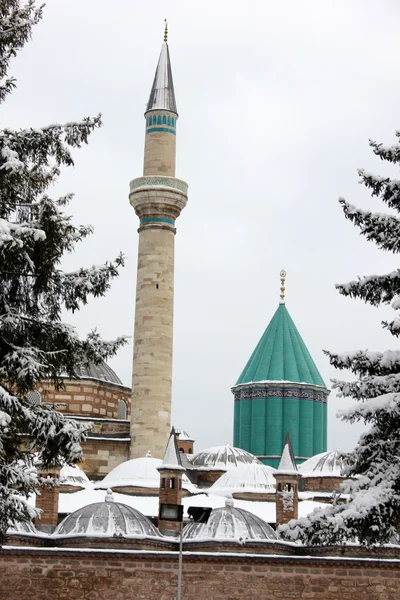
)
(166, 31)
(282, 275)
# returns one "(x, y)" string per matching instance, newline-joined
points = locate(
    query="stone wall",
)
(102, 575)
(102, 455)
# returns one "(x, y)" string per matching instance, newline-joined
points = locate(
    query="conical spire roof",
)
(162, 95)
(287, 464)
(281, 355)
(172, 456)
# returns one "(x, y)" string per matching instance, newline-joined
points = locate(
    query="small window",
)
(172, 483)
(190, 450)
(34, 397)
(181, 450)
(156, 286)
(164, 120)
(163, 483)
(169, 121)
(159, 120)
(122, 410)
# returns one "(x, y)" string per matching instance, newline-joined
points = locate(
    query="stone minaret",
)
(287, 486)
(158, 198)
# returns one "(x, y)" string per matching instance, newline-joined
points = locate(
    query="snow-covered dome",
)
(138, 472)
(73, 476)
(229, 523)
(23, 528)
(107, 519)
(326, 464)
(222, 458)
(252, 478)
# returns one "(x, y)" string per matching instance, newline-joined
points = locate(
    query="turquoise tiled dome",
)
(281, 355)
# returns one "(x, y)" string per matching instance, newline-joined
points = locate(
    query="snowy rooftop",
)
(172, 457)
(250, 478)
(325, 464)
(230, 523)
(287, 464)
(148, 505)
(138, 472)
(73, 476)
(222, 458)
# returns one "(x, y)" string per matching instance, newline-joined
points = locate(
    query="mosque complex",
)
(136, 463)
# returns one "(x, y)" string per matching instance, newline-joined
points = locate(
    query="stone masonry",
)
(103, 575)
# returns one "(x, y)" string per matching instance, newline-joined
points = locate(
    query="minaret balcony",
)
(158, 200)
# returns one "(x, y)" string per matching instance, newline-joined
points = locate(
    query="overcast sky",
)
(276, 101)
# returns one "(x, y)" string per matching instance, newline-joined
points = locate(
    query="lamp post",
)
(174, 512)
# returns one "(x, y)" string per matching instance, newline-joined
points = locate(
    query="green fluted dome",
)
(281, 355)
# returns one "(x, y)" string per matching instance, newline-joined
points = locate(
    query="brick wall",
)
(97, 575)
(322, 484)
(87, 397)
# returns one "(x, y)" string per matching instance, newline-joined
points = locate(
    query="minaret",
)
(158, 198)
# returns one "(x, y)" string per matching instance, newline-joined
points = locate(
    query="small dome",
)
(101, 371)
(107, 519)
(222, 458)
(138, 472)
(252, 478)
(73, 476)
(326, 464)
(230, 523)
(23, 528)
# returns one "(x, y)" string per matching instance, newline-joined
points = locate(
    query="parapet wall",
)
(104, 575)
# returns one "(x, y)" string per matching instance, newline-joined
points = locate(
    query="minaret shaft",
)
(158, 198)
(153, 339)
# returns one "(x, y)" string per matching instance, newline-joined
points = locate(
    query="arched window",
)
(159, 120)
(181, 450)
(190, 450)
(122, 411)
(172, 483)
(164, 120)
(169, 121)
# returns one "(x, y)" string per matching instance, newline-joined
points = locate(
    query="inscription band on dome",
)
(162, 182)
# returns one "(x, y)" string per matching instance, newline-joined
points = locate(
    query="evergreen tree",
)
(372, 512)
(34, 234)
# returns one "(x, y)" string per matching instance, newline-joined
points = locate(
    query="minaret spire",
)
(166, 31)
(158, 198)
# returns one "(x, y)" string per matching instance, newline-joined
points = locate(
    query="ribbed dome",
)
(107, 519)
(281, 355)
(23, 528)
(101, 371)
(222, 458)
(230, 523)
(138, 472)
(328, 464)
(253, 478)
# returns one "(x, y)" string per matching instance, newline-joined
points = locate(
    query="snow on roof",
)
(106, 519)
(172, 457)
(183, 436)
(74, 476)
(287, 463)
(148, 505)
(222, 458)
(138, 472)
(325, 464)
(248, 478)
(230, 523)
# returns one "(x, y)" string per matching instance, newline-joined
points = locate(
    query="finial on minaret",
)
(282, 275)
(166, 31)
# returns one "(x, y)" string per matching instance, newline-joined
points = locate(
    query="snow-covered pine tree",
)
(372, 512)
(34, 234)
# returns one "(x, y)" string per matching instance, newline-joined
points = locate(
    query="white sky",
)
(277, 101)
